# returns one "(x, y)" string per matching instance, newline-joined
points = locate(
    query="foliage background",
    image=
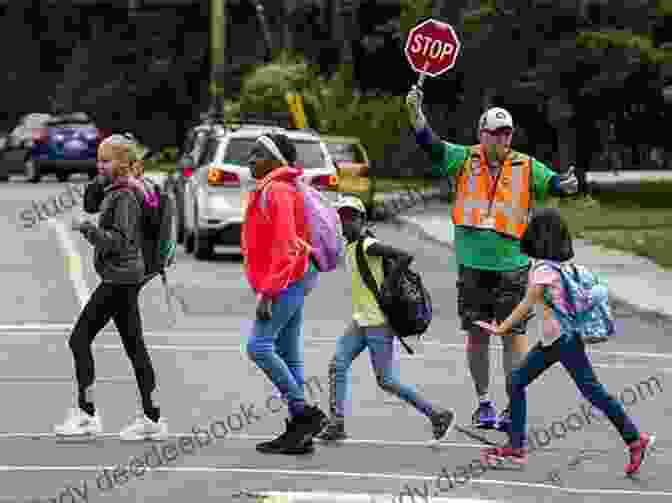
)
(567, 69)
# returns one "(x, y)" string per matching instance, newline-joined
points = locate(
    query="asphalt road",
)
(204, 381)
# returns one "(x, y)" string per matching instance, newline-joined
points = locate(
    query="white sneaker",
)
(143, 428)
(79, 423)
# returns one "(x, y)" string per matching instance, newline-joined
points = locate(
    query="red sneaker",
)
(638, 451)
(517, 456)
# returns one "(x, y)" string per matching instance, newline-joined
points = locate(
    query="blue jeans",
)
(571, 352)
(276, 346)
(384, 353)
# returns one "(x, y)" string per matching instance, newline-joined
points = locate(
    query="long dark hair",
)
(547, 237)
(285, 146)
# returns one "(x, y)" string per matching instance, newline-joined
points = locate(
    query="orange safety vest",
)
(507, 210)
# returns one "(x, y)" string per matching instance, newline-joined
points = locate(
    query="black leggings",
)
(118, 302)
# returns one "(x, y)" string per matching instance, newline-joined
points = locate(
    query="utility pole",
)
(347, 15)
(263, 23)
(217, 54)
(350, 32)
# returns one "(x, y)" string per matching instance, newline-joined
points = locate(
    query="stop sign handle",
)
(423, 74)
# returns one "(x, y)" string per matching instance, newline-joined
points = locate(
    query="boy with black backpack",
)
(370, 328)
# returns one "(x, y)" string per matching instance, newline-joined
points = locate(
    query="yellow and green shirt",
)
(365, 310)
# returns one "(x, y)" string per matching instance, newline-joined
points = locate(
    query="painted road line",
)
(38, 326)
(318, 473)
(329, 497)
(59, 379)
(193, 348)
(73, 261)
(665, 370)
(41, 329)
(240, 348)
(260, 438)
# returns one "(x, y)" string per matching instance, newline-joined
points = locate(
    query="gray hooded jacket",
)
(117, 240)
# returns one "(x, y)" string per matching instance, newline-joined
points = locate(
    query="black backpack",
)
(402, 297)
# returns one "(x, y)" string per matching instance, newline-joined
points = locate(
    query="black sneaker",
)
(286, 443)
(315, 420)
(442, 423)
(504, 421)
(334, 432)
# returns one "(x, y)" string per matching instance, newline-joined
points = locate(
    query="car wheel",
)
(189, 242)
(178, 220)
(176, 229)
(32, 170)
(204, 248)
(62, 176)
(4, 173)
(180, 231)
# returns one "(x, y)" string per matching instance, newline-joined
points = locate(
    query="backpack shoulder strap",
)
(364, 270)
(565, 281)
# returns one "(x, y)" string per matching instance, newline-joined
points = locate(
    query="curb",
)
(390, 204)
(417, 230)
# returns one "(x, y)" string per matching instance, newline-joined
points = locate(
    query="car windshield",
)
(309, 153)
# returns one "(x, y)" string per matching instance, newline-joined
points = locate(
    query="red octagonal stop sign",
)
(432, 47)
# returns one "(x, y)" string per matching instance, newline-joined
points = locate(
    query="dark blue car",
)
(67, 144)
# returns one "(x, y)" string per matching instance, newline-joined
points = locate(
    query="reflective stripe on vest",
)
(509, 210)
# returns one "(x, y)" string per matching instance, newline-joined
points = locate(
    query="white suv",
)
(214, 194)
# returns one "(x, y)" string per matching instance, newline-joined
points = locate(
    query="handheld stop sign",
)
(432, 48)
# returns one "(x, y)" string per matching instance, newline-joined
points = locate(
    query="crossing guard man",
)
(496, 188)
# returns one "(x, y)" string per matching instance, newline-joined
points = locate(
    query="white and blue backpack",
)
(589, 313)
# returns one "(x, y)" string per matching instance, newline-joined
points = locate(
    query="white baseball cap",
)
(350, 202)
(494, 119)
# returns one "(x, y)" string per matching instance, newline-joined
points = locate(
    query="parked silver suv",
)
(214, 194)
(192, 151)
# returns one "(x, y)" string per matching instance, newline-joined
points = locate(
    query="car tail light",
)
(41, 135)
(217, 176)
(325, 181)
(188, 171)
(103, 133)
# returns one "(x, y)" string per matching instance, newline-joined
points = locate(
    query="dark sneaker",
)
(315, 420)
(514, 456)
(334, 432)
(638, 451)
(286, 443)
(485, 416)
(504, 421)
(442, 424)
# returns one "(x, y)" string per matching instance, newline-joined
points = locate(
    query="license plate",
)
(75, 145)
